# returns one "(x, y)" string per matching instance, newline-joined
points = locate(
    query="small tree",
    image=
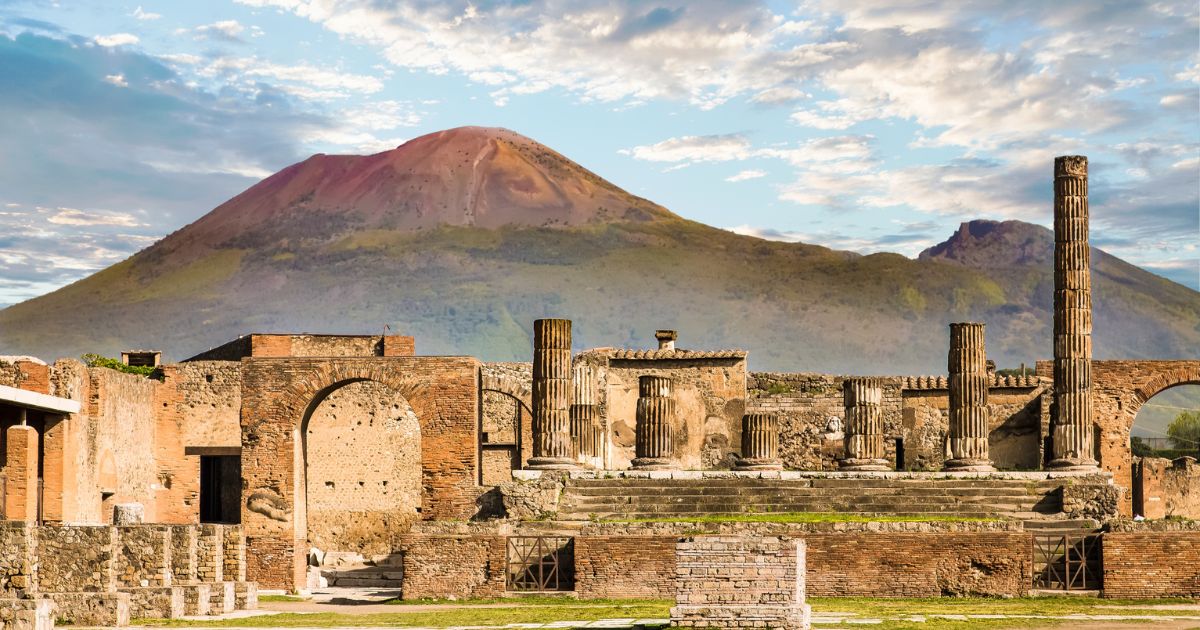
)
(1184, 431)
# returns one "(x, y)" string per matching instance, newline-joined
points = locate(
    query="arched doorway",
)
(1163, 432)
(1150, 431)
(362, 469)
(505, 437)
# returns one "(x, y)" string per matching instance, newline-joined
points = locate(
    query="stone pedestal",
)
(969, 413)
(655, 439)
(587, 434)
(128, 514)
(760, 442)
(1072, 436)
(863, 399)
(740, 582)
(552, 395)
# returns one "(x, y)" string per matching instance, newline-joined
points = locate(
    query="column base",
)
(758, 464)
(653, 463)
(1071, 464)
(552, 463)
(852, 464)
(968, 465)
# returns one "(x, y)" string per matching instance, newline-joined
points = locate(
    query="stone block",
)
(91, 609)
(739, 582)
(245, 595)
(156, 602)
(26, 614)
(223, 598)
(197, 599)
(129, 514)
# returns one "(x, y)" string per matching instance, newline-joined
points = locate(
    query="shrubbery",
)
(96, 360)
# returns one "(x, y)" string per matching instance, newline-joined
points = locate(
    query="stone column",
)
(655, 440)
(968, 400)
(552, 395)
(863, 398)
(586, 433)
(1072, 432)
(760, 442)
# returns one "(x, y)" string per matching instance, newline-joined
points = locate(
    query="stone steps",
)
(676, 498)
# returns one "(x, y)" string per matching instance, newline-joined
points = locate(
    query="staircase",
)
(668, 499)
(385, 572)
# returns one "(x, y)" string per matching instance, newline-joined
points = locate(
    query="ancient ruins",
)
(299, 461)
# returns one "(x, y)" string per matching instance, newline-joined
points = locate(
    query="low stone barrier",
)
(740, 582)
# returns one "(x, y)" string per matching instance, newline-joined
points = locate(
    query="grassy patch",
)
(281, 598)
(807, 517)
(532, 600)
(465, 616)
(1057, 606)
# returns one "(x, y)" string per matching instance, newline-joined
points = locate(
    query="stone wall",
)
(144, 556)
(1166, 488)
(18, 558)
(77, 558)
(306, 345)
(1142, 564)
(453, 566)
(121, 408)
(363, 445)
(710, 398)
(811, 411)
(739, 581)
(624, 567)
(507, 419)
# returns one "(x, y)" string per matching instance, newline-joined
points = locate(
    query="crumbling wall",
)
(363, 446)
(77, 558)
(1144, 564)
(710, 400)
(452, 566)
(1167, 488)
(507, 420)
(18, 558)
(198, 407)
(625, 567)
(144, 557)
(123, 408)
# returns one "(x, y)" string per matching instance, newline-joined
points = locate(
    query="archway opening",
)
(362, 469)
(1165, 430)
(504, 435)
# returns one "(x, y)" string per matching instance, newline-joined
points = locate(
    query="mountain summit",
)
(464, 237)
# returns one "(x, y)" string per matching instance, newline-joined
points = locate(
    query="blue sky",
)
(854, 124)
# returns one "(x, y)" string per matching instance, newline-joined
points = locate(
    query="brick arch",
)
(278, 397)
(511, 385)
(1182, 375)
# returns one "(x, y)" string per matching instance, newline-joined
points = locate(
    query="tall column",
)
(760, 442)
(655, 439)
(586, 432)
(552, 395)
(1072, 432)
(968, 400)
(863, 398)
(21, 495)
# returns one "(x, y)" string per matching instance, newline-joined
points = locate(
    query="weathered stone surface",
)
(760, 442)
(18, 558)
(109, 609)
(156, 602)
(864, 425)
(129, 514)
(968, 387)
(655, 419)
(1164, 487)
(552, 395)
(77, 558)
(144, 556)
(533, 499)
(26, 614)
(740, 582)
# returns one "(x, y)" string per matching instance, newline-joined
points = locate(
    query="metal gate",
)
(541, 563)
(1067, 562)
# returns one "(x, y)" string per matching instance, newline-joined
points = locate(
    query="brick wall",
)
(1152, 564)
(31, 376)
(628, 567)
(1167, 488)
(737, 581)
(449, 566)
(443, 393)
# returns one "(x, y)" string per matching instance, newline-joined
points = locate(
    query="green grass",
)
(281, 598)
(807, 517)
(542, 609)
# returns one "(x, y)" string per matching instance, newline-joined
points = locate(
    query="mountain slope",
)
(463, 237)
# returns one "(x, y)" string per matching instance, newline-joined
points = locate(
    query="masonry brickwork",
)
(1166, 487)
(740, 582)
(1152, 564)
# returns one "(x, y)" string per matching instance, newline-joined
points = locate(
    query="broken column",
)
(968, 384)
(586, 432)
(760, 442)
(1072, 432)
(863, 398)
(552, 395)
(655, 439)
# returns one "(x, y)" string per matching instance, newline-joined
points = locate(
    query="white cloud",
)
(225, 30)
(72, 216)
(116, 39)
(694, 149)
(779, 96)
(116, 79)
(742, 176)
(140, 14)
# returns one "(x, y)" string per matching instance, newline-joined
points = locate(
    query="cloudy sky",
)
(844, 123)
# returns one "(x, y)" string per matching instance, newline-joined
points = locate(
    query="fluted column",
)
(863, 399)
(968, 399)
(655, 440)
(586, 432)
(552, 395)
(760, 443)
(1072, 432)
